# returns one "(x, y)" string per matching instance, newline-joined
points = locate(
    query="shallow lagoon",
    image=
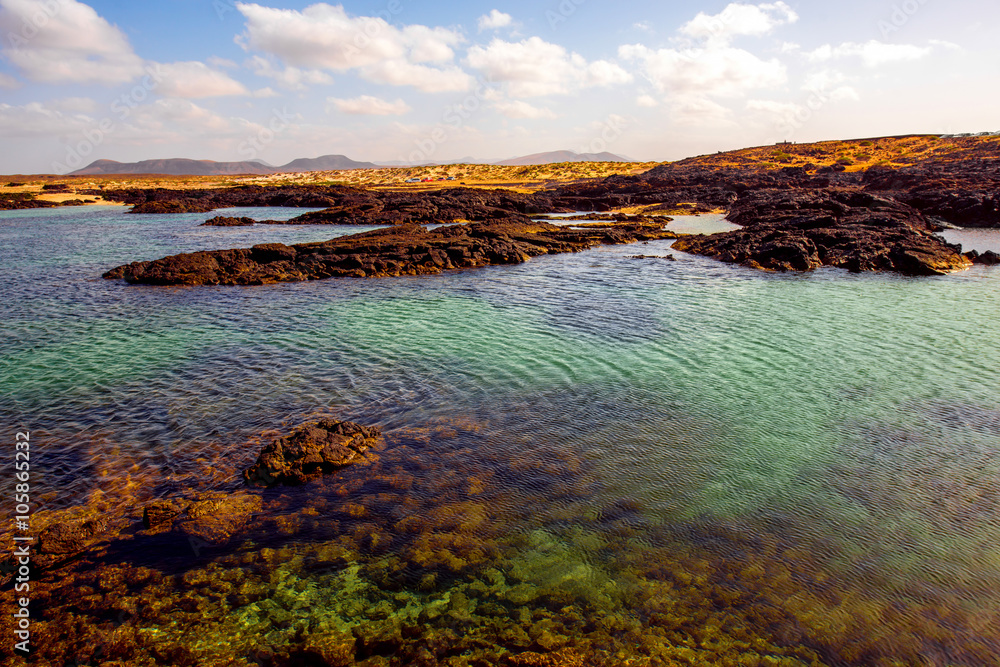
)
(606, 458)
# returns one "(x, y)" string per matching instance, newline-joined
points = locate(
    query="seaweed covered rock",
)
(310, 451)
(71, 536)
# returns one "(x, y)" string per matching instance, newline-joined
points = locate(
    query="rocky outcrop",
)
(794, 230)
(16, 201)
(310, 451)
(964, 193)
(172, 206)
(223, 221)
(394, 251)
(346, 205)
(988, 258)
(163, 200)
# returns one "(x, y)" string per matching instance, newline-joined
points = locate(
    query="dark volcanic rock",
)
(394, 251)
(989, 258)
(441, 207)
(962, 192)
(310, 451)
(15, 201)
(172, 206)
(347, 205)
(223, 221)
(793, 230)
(208, 199)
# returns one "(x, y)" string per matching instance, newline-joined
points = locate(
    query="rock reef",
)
(394, 251)
(795, 230)
(223, 221)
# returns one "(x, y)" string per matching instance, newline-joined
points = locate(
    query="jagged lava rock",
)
(310, 451)
(394, 251)
(172, 206)
(796, 230)
(224, 221)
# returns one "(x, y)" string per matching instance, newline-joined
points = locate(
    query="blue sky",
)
(387, 80)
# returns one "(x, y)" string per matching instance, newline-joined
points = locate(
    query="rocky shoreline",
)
(793, 219)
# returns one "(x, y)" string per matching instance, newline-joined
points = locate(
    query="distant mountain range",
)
(184, 167)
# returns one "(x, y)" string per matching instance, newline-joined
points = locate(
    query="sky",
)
(407, 81)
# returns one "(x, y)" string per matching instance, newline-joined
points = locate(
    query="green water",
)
(611, 407)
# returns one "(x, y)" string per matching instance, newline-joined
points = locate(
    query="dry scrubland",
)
(853, 155)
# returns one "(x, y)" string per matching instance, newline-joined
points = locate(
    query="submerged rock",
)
(310, 451)
(160, 512)
(70, 536)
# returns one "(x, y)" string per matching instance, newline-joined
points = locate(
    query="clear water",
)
(844, 426)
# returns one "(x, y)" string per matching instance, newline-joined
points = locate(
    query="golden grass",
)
(854, 155)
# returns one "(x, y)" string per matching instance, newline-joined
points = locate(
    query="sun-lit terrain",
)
(854, 155)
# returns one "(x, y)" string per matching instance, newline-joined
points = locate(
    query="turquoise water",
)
(854, 417)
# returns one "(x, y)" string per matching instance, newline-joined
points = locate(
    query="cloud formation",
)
(325, 37)
(495, 20)
(192, 80)
(872, 53)
(739, 19)
(65, 41)
(367, 105)
(534, 68)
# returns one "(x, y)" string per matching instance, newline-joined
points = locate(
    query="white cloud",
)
(604, 73)
(427, 79)
(699, 111)
(521, 109)
(65, 41)
(779, 109)
(534, 67)
(647, 101)
(323, 36)
(645, 26)
(872, 53)
(83, 105)
(367, 105)
(739, 19)
(826, 84)
(944, 44)
(221, 63)
(292, 78)
(37, 120)
(710, 71)
(495, 20)
(265, 92)
(194, 80)
(7, 81)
